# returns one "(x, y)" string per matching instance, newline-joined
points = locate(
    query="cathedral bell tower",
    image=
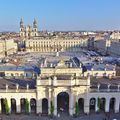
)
(21, 28)
(35, 30)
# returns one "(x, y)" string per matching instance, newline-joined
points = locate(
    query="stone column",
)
(18, 109)
(39, 106)
(55, 104)
(71, 103)
(86, 105)
(49, 100)
(117, 106)
(107, 105)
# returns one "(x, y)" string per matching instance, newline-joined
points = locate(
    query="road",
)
(63, 117)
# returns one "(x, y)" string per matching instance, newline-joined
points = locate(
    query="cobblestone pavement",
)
(62, 117)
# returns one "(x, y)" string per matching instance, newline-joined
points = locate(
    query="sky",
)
(61, 15)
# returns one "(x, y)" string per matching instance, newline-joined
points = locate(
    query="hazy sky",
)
(61, 14)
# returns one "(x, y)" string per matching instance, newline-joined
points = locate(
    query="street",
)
(62, 117)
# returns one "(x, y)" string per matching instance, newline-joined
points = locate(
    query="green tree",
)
(51, 108)
(76, 109)
(26, 105)
(6, 106)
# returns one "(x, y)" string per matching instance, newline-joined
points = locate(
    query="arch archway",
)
(2, 105)
(102, 104)
(44, 106)
(63, 102)
(13, 105)
(112, 104)
(92, 104)
(22, 105)
(81, 105)
(33, 105)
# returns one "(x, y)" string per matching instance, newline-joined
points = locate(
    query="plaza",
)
(63, 117)
(57, 77)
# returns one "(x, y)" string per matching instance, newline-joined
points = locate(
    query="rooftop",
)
(13, 82)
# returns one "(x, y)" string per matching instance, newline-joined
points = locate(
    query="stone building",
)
(7, 47)
(54, 44)
(62, 86)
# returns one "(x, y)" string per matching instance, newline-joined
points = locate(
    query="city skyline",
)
(61, 15)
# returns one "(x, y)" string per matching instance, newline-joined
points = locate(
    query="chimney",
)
(51, 65)
(6, 87)
(70, 65)
(17, 86)
(27, 86)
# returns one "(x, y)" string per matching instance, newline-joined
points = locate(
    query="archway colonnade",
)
(62, 102)
(18, 105)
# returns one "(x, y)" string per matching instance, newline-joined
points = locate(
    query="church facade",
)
(27, 31)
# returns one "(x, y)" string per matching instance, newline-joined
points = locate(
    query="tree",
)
(76, 109)
(6, 106)
(51, 108)
(98, 104)
(26, 105)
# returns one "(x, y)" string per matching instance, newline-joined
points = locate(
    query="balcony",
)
(17, 91)
(74, 82)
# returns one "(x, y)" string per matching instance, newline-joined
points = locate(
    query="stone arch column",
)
(107, 105)
(18, 108)
(39, 97)
(49, 100)
(71, 103)
(117, 104)
(86, 105)
(39, 106)
(55, 103)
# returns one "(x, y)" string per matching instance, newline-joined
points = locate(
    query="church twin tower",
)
(27, 31)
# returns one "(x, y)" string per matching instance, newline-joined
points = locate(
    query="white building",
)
(7, 47)
(60, 87)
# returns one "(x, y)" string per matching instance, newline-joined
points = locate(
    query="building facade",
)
(7, 47)
(54, 44)
(63, 87)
